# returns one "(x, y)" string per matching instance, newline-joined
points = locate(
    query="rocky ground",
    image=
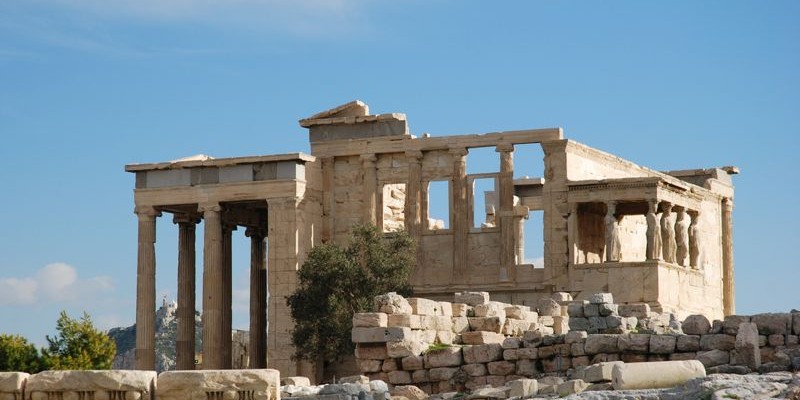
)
(777, 385)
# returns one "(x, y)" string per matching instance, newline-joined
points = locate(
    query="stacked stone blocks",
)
(479, 342)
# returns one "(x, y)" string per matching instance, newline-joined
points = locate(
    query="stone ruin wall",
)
(471, 342)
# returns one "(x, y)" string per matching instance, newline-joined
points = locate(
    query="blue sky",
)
(87, 86)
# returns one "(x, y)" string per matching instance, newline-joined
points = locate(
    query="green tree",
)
(78, 345)
(335, 282)
(18, 355)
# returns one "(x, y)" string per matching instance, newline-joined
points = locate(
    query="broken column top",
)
(353, 121)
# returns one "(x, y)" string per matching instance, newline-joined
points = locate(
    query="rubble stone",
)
(392, 303)
(696, 324)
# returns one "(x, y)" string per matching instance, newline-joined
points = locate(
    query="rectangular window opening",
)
(528, 161)
(438, 205)
(393, 207)
(484, 202)
(483, 160)
(531, 244)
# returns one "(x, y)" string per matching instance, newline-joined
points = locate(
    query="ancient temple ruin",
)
(609, 225)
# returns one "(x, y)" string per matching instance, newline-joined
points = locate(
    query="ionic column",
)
(459, 214)
(506, 205)
(227, 295)
(694, 240)
(258, 297)
(728, 288)
(213, 288)
(369, 187)
(653, 250)
(668, 244)
(146, 289)
(184, 343)
(413, 194)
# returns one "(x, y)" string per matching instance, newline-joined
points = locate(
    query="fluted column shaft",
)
(185, 341)
(258, 298)
(506, 205)
(146, 289)
(227, 295)
(369, 187)
(327, 199)
(728, 288)
(212, 288)
(459, 215)
(413, 207)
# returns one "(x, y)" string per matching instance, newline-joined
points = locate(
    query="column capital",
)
(458, 151)
(257, 232)
(209, 207)
(727, 203)
(416, 155)
(189, 219)
(611, 207)
(504, 148)
(147, 212)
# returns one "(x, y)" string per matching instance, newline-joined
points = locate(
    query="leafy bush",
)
(18, 355)
(78, 345)
(336, 282)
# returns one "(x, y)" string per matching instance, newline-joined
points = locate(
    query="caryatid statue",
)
(653, 232)
(682, 237)
(694, 240)
(613, 245)
(668, 244)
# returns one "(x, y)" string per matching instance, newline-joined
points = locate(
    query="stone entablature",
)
(664, 238)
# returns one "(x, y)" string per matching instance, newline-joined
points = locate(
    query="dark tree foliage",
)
(18, 355)
(78, 345)
(335, 282)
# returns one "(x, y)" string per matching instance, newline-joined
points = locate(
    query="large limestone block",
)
(638, 310)
(442, 374)
(392, 303)
(487, 324)
(371, 351)
(404, 320)
(12, 383)
(730, 325)
(482, 337)
(688, 343)
(482, 353)
(696, 324)
(515, 327)
(459, 309)
(747, 350)
(491, 309)
(602, 372)
(471, 298)
(601, 298)
(447, 357)
(662, 344)
(405, 348)
(409, 392)
(370, 320)
(380, 335)
(601, 344)
(654, 375)
(773, 323)
(571, 387)
(516, 312)
(712, 358)
(501, 368)
(718, 341)
(424, 306)
(130, 384)
(548, 307)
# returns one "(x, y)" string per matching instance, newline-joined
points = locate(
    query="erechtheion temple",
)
(609, 225)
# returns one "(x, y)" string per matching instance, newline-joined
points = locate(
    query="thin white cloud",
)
(15, 291)
(57, 282)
